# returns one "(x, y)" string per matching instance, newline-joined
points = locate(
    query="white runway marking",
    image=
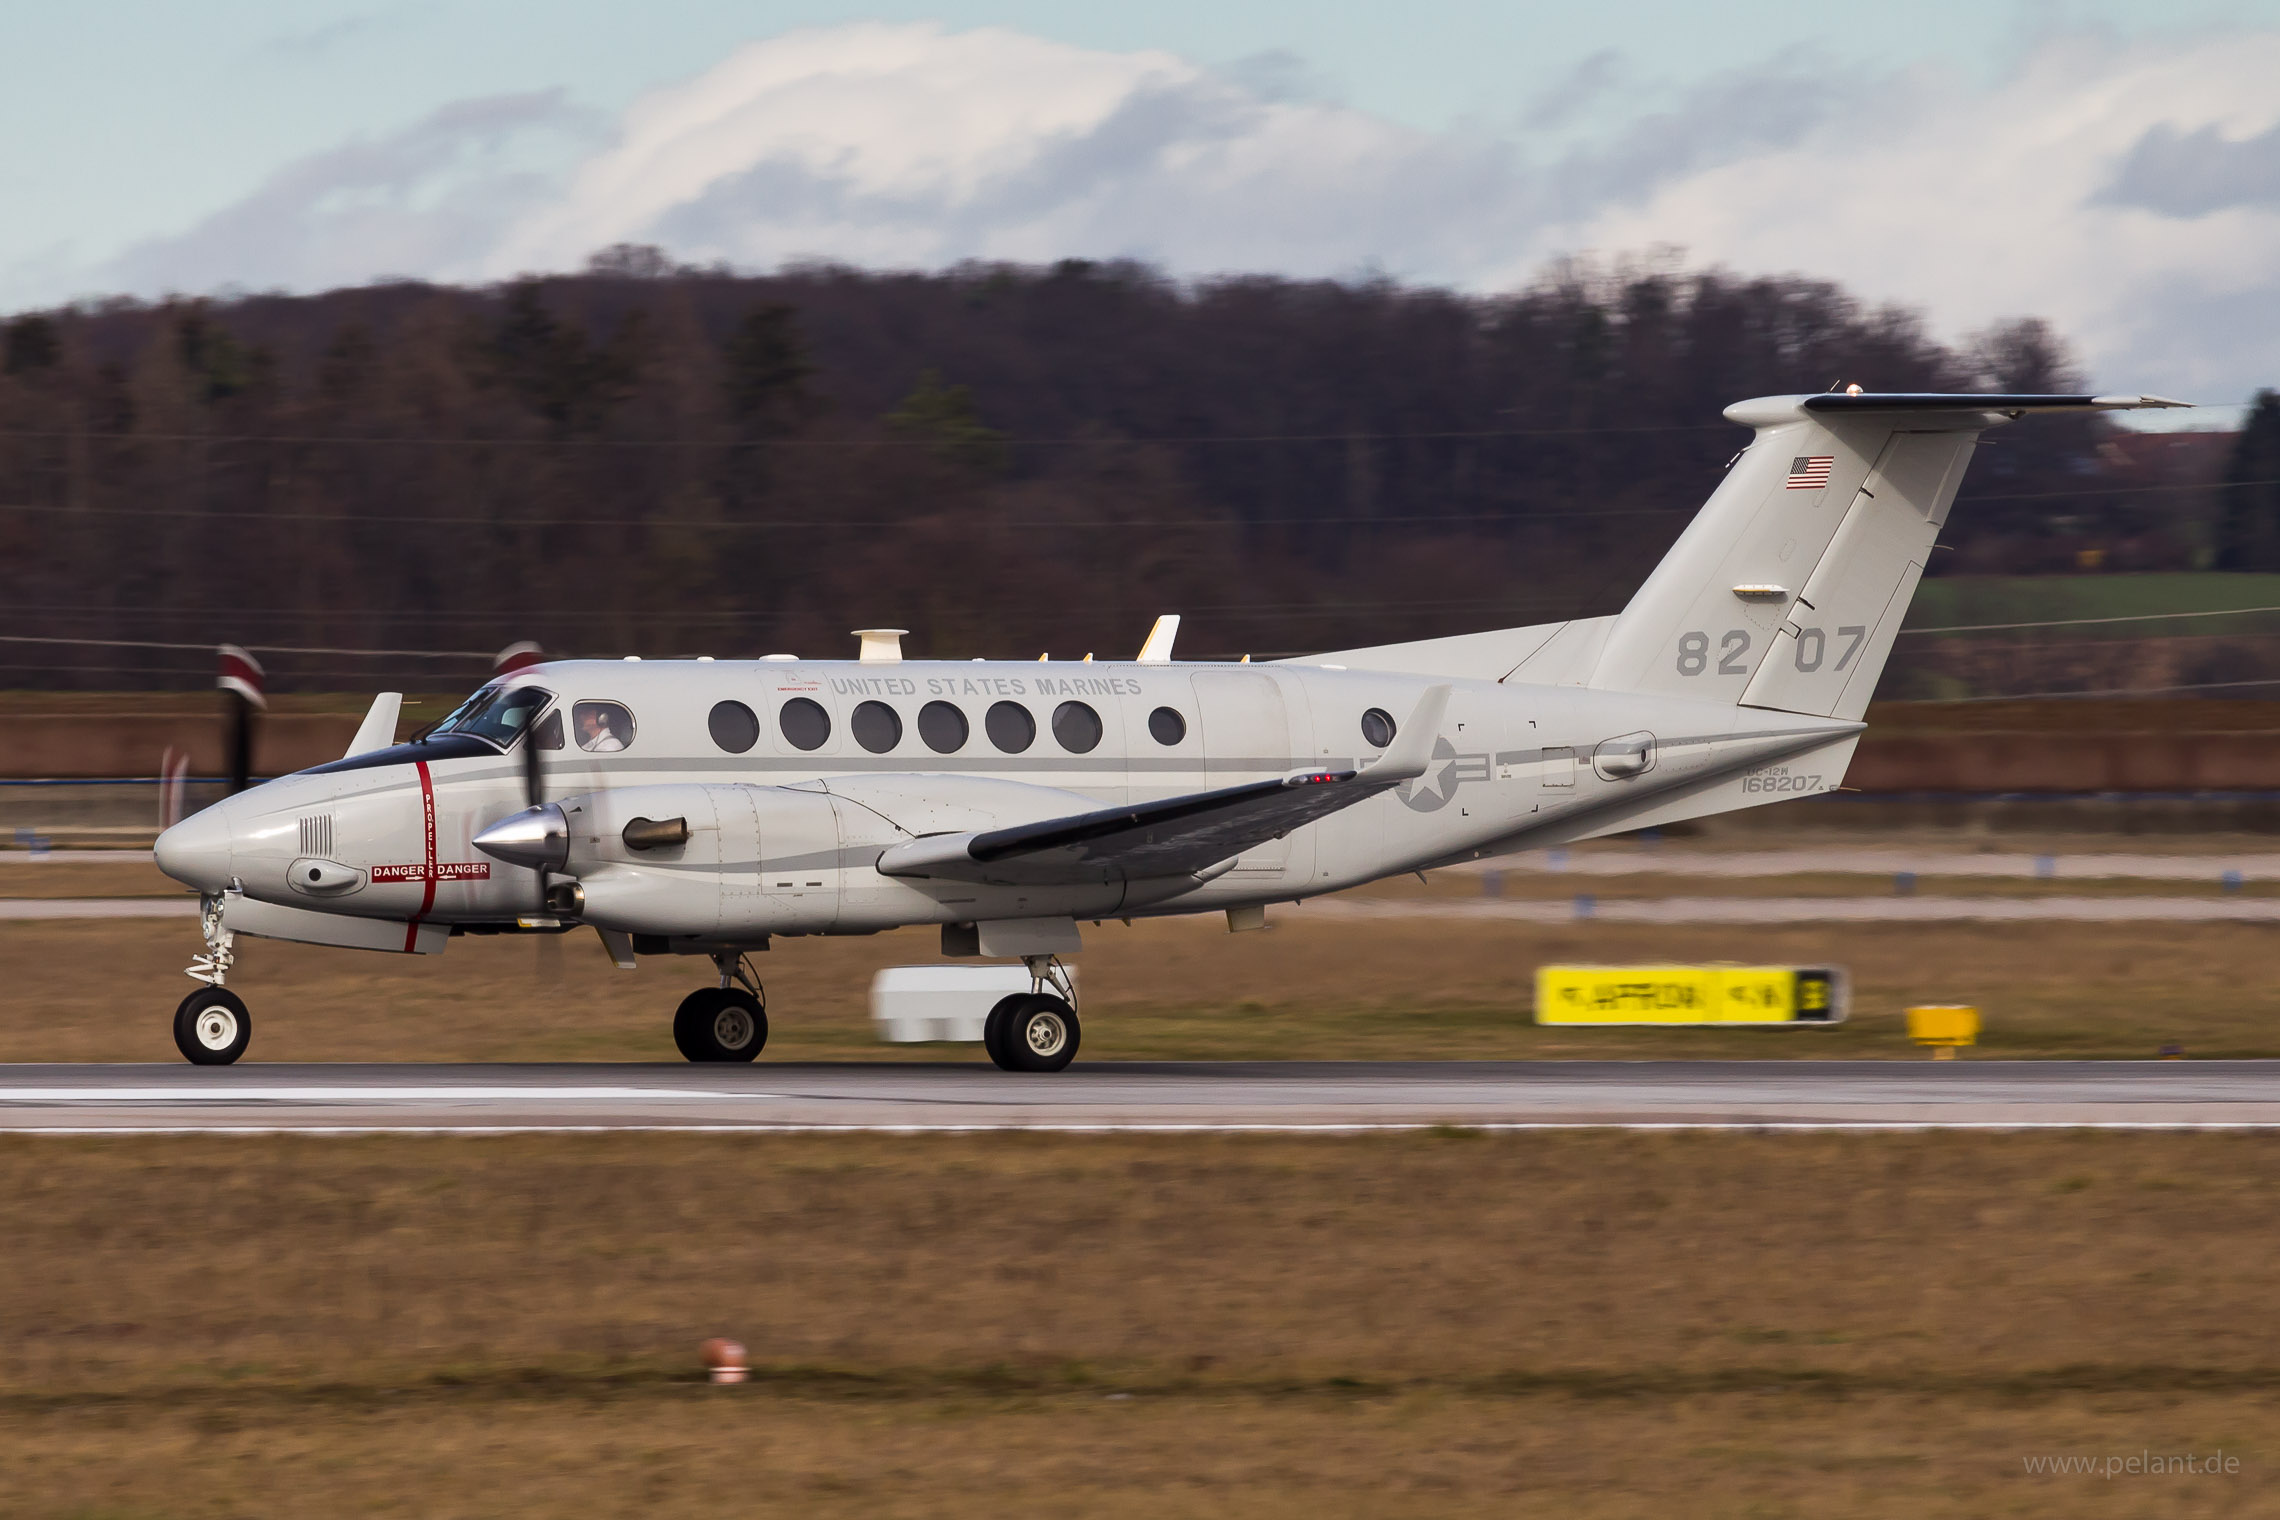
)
(1885, 862)
(1323, 1097)
(410, 1093)
(1739, 1126)
(98, 907)
(1622, 910)
(1803, 910)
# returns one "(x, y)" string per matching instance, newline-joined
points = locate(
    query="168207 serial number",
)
(1782, 780)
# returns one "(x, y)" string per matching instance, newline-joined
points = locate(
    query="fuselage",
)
(794, 776)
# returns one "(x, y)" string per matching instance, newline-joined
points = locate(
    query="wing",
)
(1173, 837)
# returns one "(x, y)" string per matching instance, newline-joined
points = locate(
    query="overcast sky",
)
(2114, 167)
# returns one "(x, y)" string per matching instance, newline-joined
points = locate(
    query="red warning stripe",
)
(427, 876)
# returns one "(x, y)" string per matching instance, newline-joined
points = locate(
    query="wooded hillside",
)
(1004, 460)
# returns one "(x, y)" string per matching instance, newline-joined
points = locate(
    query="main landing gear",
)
(1036, 1030)
(727, 1022)
(212, 1026)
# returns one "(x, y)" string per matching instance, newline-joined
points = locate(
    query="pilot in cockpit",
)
(594, 732)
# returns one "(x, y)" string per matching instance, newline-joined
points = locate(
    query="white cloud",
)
(431, 201)
(1979, 203)
(2129, 192)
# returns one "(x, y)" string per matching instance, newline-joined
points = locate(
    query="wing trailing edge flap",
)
(1175, 836)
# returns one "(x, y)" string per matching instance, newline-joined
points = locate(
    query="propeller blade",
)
(241, 681)
(534, 784)
(515, 657)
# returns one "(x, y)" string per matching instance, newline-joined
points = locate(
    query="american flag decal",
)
(1810, 473)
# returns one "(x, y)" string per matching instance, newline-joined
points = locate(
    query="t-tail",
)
(1788, 588)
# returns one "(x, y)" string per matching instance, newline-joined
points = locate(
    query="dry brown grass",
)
(1433, 1325)
(104, 990)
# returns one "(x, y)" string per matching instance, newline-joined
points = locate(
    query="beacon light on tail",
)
(709, 808)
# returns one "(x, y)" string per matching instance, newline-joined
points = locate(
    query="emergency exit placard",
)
(1722, 995)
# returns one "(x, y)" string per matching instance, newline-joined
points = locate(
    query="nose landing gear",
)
(211, 1025)
(724, 1023)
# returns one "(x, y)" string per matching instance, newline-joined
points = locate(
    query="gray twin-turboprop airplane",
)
(704, 808)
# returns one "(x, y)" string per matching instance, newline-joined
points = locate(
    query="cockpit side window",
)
(601, 727)
(496, 714)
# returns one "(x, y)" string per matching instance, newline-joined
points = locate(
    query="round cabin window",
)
(1377, 728)
(1010, 727)
(1166, 725)
(733, 726)
(876, 726)
(1077, 727)
(943, 727)
(804, 724)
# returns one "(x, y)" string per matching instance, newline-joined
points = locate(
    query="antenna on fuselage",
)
(1158, 648)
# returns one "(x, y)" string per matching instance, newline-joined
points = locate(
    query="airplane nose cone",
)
(196, 851)
(538, 837)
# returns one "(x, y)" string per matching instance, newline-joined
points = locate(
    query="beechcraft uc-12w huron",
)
(704, 808)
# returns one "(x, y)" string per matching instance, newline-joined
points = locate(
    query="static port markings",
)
(1812, 648)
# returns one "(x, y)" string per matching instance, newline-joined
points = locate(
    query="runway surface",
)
(1585, 907)
(1560, 910)
(1873, 861)
(1172, 1097)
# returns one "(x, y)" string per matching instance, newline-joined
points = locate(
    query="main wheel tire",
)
(720, 1024)
(1041, 1035)
(212, 1027)
(993, 1027)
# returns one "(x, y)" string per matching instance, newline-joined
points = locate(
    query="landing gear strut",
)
(727, 1022)
(212, 1026)
(1036, 1030)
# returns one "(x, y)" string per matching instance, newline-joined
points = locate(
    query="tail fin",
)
(1787, 589)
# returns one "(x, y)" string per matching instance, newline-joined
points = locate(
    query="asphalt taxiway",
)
(1166, 1096)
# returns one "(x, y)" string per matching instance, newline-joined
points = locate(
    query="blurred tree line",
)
(1006, 460)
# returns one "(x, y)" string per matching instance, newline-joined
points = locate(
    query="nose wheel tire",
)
(212, 1027)
(1033, 1032)
(720, 1024)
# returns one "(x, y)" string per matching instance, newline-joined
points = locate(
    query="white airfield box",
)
(912, 1004)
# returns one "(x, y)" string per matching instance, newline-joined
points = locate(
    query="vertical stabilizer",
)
(1788, 587)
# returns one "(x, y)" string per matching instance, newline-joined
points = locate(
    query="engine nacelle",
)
(735, 864)
(709, 861)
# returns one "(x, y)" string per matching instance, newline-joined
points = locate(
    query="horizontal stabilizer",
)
(2009, 405)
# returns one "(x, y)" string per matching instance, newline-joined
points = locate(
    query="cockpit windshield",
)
(496, 714)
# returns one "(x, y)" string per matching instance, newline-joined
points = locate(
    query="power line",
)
(1075, 440)
(2135, 617)
(1080, 440)
(392, 654)
(1518, 518)
(2115, 691)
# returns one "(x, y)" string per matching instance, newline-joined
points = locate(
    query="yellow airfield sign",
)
(1728, 996)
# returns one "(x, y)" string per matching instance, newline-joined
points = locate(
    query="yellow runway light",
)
(1943, 1026)
(1729, 996)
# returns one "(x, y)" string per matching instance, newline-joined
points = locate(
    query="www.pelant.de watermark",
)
(2143, 1464)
